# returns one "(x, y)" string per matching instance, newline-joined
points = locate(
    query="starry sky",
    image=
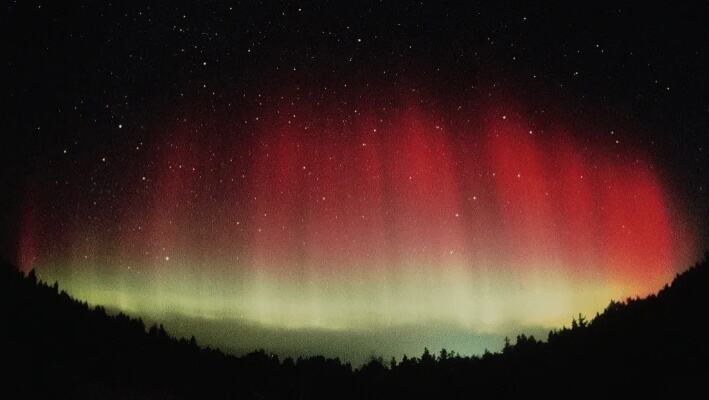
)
(315, 177)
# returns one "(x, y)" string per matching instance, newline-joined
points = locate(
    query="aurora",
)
(369, 219)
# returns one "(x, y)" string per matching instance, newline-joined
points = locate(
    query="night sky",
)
(312, 177)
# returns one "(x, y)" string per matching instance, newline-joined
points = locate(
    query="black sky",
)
(94, 77)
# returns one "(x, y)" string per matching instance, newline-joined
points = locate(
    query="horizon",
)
(244, 337)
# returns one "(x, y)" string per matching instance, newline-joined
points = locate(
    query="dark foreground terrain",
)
(54, 346)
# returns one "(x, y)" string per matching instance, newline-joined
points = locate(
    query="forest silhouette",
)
(57, 347)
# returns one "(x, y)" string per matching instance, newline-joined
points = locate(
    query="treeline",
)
(54, 346)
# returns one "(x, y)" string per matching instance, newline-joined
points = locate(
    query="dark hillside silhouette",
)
(56, 347)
